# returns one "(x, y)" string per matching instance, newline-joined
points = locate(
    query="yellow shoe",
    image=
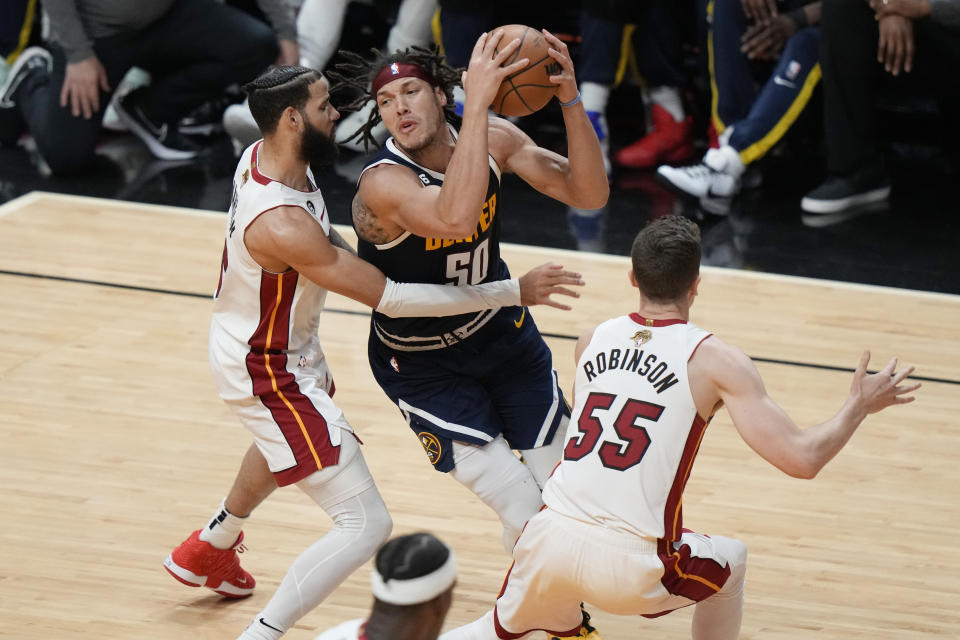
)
(587, 630)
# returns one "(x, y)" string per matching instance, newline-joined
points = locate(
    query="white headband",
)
(415, 590)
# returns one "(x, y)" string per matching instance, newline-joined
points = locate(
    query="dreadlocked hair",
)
(276, 89)
(356, 74)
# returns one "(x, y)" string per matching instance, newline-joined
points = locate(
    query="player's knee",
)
(735, 553)
(369, 525)
(803, 46)
(378, 529)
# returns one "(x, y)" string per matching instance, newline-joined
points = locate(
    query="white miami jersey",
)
(264, 324)
(634, 431)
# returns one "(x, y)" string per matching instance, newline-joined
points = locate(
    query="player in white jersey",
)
(647, 385)
(279, 260)
(412, 580)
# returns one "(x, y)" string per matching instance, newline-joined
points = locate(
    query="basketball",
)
(529, 89)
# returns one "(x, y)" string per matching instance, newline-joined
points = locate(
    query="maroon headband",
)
(399, 70)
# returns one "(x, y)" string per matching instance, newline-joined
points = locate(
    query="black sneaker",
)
(867, 186)
(163, 140)
(207, 119)
(31, 60)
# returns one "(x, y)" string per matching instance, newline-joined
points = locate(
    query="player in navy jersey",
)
(472, 387)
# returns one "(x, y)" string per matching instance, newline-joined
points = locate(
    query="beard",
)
(317, 148)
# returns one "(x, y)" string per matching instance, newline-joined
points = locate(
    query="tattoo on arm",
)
(337, 240)
(367, 225)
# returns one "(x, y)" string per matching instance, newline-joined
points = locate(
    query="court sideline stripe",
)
(545, 334)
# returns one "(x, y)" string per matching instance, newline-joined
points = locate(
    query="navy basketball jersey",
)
(455, 261)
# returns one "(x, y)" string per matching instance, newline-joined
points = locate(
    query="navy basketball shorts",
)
(499, 381)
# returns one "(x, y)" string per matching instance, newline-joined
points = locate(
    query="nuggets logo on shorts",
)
(431, 445)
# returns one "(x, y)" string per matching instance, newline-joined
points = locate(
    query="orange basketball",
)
(529, 89)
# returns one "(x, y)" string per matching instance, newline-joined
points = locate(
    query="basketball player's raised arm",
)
(287, 237)
(453, 210)
(769, 431)
(580, 179)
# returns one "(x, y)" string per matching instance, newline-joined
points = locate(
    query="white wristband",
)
(415, 299)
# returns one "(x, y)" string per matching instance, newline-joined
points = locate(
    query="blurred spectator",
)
(860, 41)
(656, 44)
(611, 31)
(192, 48)
(319, 27)
(17, 26)
(750, 124)
(462, 21)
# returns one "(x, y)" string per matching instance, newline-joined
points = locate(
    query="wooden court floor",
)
(114, 445)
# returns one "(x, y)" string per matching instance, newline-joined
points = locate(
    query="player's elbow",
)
(802, 467)
(459, 227)
(595, 198)
(803, 472)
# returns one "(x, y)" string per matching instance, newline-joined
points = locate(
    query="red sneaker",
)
(197, 563)
(669, 142)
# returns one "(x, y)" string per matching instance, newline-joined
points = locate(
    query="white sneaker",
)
(134, 79)
(718, 176)
(30, 60)
(239, 124)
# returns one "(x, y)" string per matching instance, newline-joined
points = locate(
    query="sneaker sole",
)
(820, 220)
(206, 130)
(157, 149)
(814, 205)
(187, 577)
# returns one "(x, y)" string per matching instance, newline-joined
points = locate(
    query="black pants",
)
(193, 53)
(851, 76)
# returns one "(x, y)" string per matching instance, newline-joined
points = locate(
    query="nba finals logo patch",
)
(642, 336)
(431, 446)
(394, 69)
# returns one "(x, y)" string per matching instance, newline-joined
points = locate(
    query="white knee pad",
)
(735, 553)
(501, 481)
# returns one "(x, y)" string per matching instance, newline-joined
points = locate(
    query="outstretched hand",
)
(538, 284)
(880, 390)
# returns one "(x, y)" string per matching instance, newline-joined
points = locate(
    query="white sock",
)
(669, 99)
(725, 159)
(594, 96)
(224, 528)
